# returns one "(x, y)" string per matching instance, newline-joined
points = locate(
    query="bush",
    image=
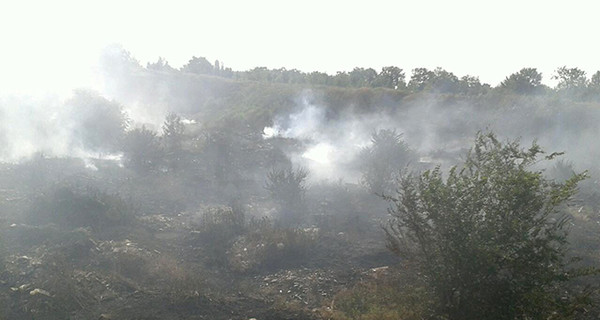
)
(395, 295)
(73, 208)
(217, 230)
(287, 188)
(490, 239)
(381, 162)
(265, 247)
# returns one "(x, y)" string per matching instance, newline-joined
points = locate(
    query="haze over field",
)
(311, 160)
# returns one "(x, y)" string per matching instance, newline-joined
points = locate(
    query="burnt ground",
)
(157, 267)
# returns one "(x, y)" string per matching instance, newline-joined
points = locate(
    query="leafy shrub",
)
(490, 238)
(381, 162)
(287, 188)
(142, 150)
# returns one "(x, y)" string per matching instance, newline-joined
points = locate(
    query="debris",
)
(39, 291)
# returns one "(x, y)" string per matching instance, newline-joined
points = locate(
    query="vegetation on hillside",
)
(258, 194)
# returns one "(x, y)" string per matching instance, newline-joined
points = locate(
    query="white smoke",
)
(42, 125)
(331, 145)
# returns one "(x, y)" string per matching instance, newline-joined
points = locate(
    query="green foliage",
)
(572, 82)
(173, 132)
(361, 77)
(381, 162)
(198, 66)
(391, 294)
(287, 187)
(419, 79)
(526, 81)
(471, 85)
(570, 78)
(440, 81)
(595, 81)
(142, 149)
(489, 238)
(227, 239)
(390, 77)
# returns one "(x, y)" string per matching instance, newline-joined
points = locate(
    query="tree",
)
(444, 81)
(419, 79)
(99, 124)
(570, 78)
(594, 86)
(160, 65)
(341, 79)
(361, 77)
(572, 82)
(199, 66)
(471, 85)
(438, 81)
(526, 81)
(489, 239)
(173, 132)
(381, 162)
(318, 78)
(595, 81)
(390, 77)
(142, 149)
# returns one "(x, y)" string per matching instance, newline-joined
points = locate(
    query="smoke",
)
(438, 129)
(330, 144)
(50, 126)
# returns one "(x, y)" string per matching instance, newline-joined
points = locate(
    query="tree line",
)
(527, 81)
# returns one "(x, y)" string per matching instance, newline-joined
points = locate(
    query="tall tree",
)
(361, 77)
(570, 78)
(444, 81)
(526, 81)
(419, 79)
(173, 132)
(381, 162)
(391, 77)
(199, 66)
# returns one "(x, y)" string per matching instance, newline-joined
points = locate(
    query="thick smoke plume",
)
(330, 144)
(439, 131)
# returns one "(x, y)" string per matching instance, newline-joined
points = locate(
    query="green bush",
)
(287, 188)
(490, 238)
(380, 163)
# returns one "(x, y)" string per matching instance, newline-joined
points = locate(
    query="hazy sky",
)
(48, 45)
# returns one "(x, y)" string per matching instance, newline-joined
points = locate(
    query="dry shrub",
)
(179, 281)
(382, 296)
(216, 232)
(72, 208)
(265, 247)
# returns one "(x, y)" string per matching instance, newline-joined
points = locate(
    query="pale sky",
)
(48, 45)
